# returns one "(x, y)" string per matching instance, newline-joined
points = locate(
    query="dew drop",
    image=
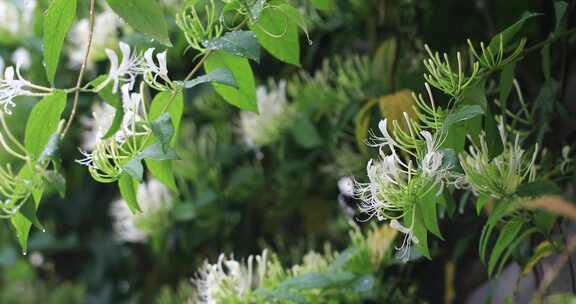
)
(24, 253)
(43, 230)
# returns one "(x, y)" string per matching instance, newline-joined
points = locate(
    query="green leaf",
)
(134, 168)
(51, 148)
(220, 75)
(506, 82)
(480, 202)
(43, 123)
(325, 5)
(173, 103)
(163, 131)
(57, 181)
(559, 12)
(462, 114)
(510, 32)
(305, 133)
(420, 232)
(129, 191)
(144, 16)
(244, 96)
(506, 237)
(156, 152)
(427, 206)
(22, 226)
(58, 18)
(239, 43)
(278, 33)
(538, 188)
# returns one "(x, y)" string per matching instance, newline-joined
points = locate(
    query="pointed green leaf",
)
(129, 191)
(462, 114)
(278, 34)
(220, 75)
(163, 131)
(239, 43)
(245, 96)
(506, 237)
(59, 17)
(510, 32)
(43, 123)
(134, 168)
(56, 181)
(427, 206)
(144, 16)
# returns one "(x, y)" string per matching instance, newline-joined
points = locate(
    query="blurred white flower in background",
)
(16, 17)
(105, 36)
(22, 56)
(95, 127)
(155, 201)
(273, 116)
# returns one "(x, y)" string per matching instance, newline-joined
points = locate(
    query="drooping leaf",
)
(462, 114)
(56, 181)
(220, 75)
(510, 32)
(506, 82)
(163, 131)
(420, 232)
(244, 96)
(43, 123)
(238, 43)
(278, 34)
(144, 16)
(559, 12)
(128, 189)
(59, 17)
(427, 205)
(134, 168)
(506, 237)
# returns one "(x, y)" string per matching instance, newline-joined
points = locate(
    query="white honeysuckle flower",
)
(409, 238)
(272, 119)
(131, 103)
(229, 277)
(105, 35)
(154, 200)
(22, 56)
(432, 161)
(153, 71)
(9, 17)
(97, 125)
(346, 185)
(13, 85)
(125, 70)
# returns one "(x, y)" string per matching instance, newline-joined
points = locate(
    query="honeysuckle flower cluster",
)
(105, 159)
(500, 176)
(228, 279)
(274, 116)
(155, 202)
(13, 84)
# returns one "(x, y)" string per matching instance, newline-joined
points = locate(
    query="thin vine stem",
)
(82, 69)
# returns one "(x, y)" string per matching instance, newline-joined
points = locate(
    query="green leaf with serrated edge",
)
(112, 99)
(134, 168)
(58, 18)
(245, 96)
(238, 43)
(278, 34)
(325, 5)
(163, 131)
(144, 16)
(506, 237)
(56, 181)
(462, 114)
(427, 206)
(43, 123)
(129, 191)
(509, 32)
(220, 75)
